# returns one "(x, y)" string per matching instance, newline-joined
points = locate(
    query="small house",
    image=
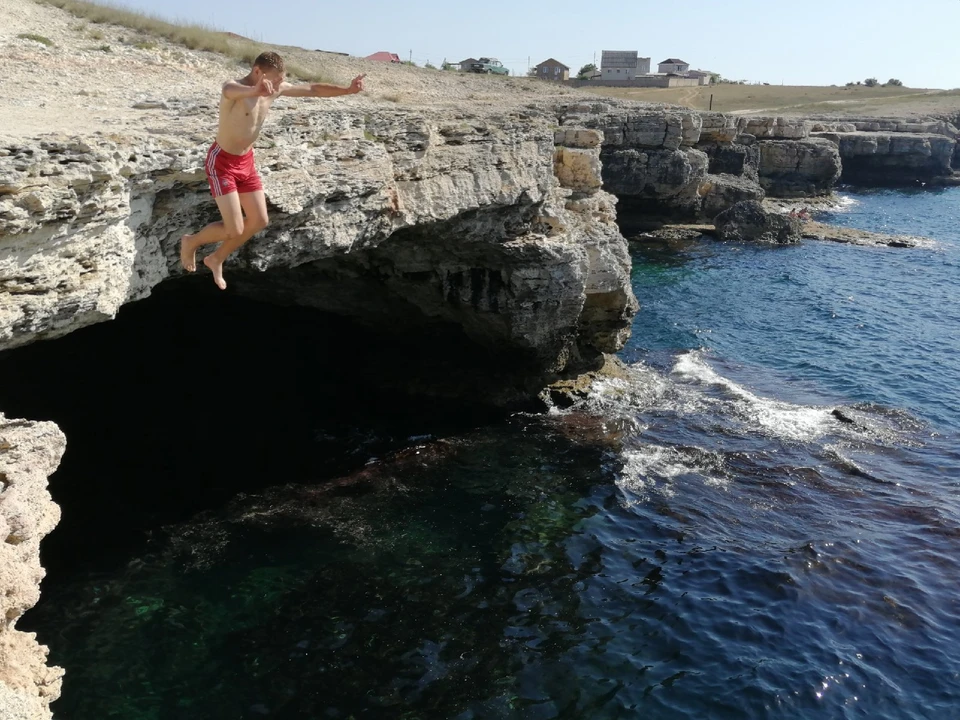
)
(465, 65)
(622, 65)
(673, 66)
(553, 70)
(388, 57)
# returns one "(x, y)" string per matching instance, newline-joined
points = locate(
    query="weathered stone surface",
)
(718, 128)
(852, 236)
(657, 180)
(748, 221)
(893, 158)
(75, 246)
(722, 191)
(798, 168)
(886, 125)
(629, 126)
(577, 138)
(733, 158)
(577, 169)
(29, 453)
(774, 128)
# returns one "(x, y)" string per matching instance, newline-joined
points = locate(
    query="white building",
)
(673, 65)
(622, 65)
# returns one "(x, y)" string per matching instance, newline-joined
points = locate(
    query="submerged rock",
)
(749, 221)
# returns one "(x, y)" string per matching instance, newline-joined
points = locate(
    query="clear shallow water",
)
(704, 537)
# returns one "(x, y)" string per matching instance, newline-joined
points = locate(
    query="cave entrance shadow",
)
(193, 395)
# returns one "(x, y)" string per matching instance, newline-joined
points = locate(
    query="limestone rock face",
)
(722, 191)
(798, 168)
(885, 125)
(657, 181)
(29, 453)
(495, 224)
(740, 158)
(748, 221)
(893, 158)
(718, 128)
(774, 128)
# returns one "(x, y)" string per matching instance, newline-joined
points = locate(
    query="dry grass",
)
(193, 37)
(796, 100)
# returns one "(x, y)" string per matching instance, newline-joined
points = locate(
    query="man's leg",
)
(254, 205)
(232, 224)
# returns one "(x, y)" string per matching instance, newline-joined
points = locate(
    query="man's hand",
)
(357, 84)
(264, 88)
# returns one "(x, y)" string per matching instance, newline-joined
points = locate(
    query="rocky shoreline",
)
(491, 212)
(809, 230)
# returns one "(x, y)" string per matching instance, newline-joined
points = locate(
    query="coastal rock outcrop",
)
(749, 221)
(495, 226)
(798, 168)
(723, 191)
(888, 158)
(29, 453)
(656, 181)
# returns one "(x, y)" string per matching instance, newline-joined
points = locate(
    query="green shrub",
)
(36, 38)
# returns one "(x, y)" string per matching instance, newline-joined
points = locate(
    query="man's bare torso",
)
(240, 122)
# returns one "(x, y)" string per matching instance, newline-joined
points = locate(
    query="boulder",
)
(722, 191)
(747, 221)
(799, 168)
(662, 181)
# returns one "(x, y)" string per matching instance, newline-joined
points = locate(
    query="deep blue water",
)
(702, 538)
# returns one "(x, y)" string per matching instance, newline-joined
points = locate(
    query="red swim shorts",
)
(231, 173)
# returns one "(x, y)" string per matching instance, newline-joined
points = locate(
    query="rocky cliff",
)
(497, 226)
(675, 163)
(485, 207)
(29, 452)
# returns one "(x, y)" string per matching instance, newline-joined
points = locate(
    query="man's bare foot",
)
(216, 267)
(188, 253)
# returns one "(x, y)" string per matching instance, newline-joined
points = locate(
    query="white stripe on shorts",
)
(212, 171)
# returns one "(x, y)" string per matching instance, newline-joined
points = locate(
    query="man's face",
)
(274, 76)
(271, 74)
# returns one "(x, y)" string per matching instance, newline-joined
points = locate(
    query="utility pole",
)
(411, 56)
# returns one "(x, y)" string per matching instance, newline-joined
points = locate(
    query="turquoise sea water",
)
(760, 520)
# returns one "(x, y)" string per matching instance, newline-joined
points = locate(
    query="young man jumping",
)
(234, 181)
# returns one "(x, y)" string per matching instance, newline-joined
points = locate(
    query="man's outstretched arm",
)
(234, 90)
(322, 89)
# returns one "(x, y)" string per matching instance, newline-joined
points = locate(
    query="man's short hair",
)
(268, 60)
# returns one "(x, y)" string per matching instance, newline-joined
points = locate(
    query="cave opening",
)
(194, 395)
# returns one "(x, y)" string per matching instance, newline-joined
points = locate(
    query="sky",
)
(817, 42)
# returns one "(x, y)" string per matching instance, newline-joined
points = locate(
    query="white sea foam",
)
(844, 203)
(654, 468)
(772, 417)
